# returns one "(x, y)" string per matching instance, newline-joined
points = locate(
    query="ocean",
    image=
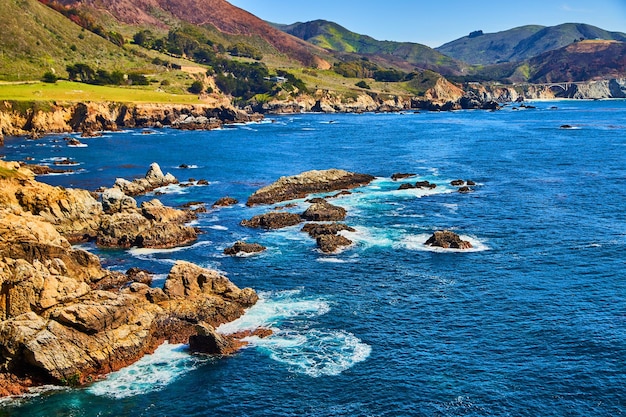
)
(530, 322)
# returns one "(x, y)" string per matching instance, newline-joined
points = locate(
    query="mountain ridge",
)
(522, 43)
(407, 55)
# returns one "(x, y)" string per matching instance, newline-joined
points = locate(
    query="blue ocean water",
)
(531, 322)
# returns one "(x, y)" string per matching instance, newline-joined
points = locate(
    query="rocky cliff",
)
(65, 319)
(40, 118)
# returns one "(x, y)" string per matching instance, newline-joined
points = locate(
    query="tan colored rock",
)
(298, 186)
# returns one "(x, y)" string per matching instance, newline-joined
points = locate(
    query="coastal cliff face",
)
(90, 117)
(64, 318)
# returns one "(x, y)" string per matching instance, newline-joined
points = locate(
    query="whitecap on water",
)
(218, 227)
(272, 309)
(151, 373)
(416, 242)
(314, 352)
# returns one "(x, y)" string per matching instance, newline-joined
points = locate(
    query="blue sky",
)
(436, 22)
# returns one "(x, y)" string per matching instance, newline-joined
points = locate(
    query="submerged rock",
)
(298, 186)
(447, 239)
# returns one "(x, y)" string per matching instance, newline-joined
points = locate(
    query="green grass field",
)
(66, 91)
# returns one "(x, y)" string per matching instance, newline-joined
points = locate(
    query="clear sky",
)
(435, 22)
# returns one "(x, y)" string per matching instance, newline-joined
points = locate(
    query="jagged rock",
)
(457, 183)
(447, 239)
(244, 247)
(406, 186)
(327, 235)
(298, 186)
(324, 211)
(208, 341)
(399, 176)
(154, 226)
(74, 213)
(121, 229)
(115, 201)
(166, 235)
(465, 189)
(332, 243)
(153, 179)
(272, 220)
(318, 229)
(225, 202)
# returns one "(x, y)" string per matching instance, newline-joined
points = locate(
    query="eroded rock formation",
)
(298, 186)
(64, 318)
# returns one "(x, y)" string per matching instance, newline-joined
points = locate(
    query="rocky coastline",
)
(90, 117)
(37, 119)
(67, 320)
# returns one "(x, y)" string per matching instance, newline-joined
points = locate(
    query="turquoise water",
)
(531, 322)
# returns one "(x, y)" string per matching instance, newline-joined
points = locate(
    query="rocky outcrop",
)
(322, 211)
(273, 220)
(153, 179)
(241, 247)
(332, 243)
(225, 202)
(298, 186)
(74, 213)
(327, 235)
(93, 117)
(57, 327)
(152, 226)
(447, 239)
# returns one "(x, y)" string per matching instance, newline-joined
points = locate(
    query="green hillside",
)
(521, 43)
(35, 39)
(406, 55)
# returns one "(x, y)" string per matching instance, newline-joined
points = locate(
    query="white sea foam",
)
(315, 353)
(151, 373)
(274, 308)
(416, 242)
(218, 227)
(80, 145)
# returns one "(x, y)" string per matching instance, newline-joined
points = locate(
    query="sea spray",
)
(151, 373)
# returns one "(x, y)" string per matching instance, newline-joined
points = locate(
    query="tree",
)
(362, 84)
(49, 77)
(196, 87)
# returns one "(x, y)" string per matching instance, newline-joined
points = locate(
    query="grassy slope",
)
(35, 39)
(65, 91)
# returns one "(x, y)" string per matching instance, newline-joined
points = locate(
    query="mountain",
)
(232, 22)
(406, 55)
(522, 43)
(35, 39)
(580, 61)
